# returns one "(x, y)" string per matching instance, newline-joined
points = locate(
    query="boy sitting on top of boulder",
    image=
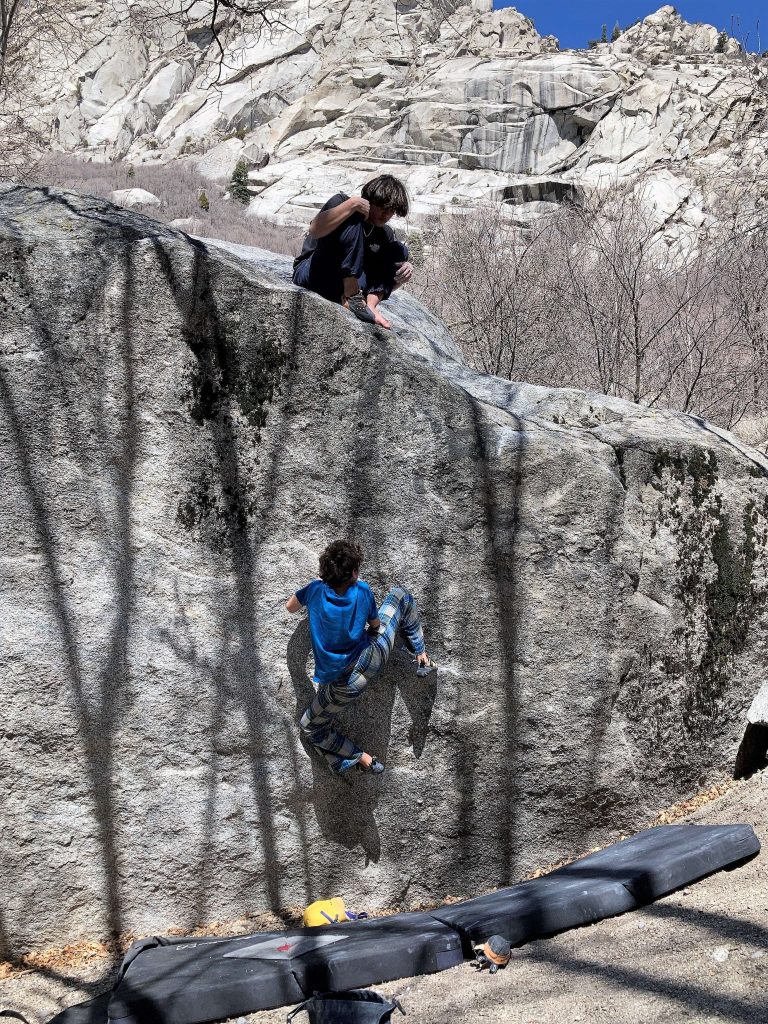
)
(351, 255)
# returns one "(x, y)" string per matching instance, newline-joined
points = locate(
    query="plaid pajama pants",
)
(399, 610)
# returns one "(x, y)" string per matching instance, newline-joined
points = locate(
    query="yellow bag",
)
(325, 912)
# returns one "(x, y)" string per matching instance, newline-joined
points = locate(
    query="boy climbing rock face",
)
(351, 255)
(352, 641)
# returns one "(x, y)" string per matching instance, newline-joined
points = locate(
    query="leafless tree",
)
(481, 275)
(33, 34)
(214, 21)
(630, 287)
(40, 36)
(601, 296)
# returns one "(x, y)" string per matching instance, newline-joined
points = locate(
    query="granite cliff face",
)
(181, 431)
(466, 103)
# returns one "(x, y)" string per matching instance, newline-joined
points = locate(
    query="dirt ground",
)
(700, 955)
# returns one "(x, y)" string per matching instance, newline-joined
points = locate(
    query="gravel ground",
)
(699, 955)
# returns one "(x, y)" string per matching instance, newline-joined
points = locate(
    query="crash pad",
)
(197, 980)
(619, 878)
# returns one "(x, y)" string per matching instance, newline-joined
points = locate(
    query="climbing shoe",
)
(375, 767)
(356, 304)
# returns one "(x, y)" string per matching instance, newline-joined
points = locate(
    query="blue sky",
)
(575, 23)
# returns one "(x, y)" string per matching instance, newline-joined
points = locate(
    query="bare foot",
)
(365, 760)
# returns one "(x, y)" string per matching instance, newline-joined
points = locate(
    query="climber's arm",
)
(293, 604)
(326, 221)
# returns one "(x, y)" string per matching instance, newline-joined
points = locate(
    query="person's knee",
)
(399, 594)
(301, 274)
(400, 252)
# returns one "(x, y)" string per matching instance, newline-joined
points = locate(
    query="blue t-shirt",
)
(337, 625)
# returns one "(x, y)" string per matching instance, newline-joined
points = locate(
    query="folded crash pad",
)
(197, 980)
(194, 980)
(609, 882)
(660, 860)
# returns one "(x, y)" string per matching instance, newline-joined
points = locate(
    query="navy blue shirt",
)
(337, 625)
(375, 239)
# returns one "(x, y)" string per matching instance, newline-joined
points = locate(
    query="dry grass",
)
(179, 187)
(81, 955)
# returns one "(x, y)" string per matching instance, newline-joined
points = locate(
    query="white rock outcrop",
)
(131, 197)
(467, 104)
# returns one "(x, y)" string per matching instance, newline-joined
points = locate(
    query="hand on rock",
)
(403, 274)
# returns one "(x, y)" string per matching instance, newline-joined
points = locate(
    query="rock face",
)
(130, 197)
(181, 432)
(466, 103)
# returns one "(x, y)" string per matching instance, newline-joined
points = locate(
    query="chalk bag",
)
(358, 1006)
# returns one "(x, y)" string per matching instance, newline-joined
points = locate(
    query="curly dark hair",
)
(388, 192)
(339, 561)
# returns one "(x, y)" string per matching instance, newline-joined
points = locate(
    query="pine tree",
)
(238, 183)
(604, 34)
(616, 32)
(202, 200)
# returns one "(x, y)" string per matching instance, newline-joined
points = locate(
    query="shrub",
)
(416, 248)
(202, 200)
(238, 183)
(722, 39)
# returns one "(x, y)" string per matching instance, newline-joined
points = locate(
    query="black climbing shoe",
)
(375, 767)
(356, 304)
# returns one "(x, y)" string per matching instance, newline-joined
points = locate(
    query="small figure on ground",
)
(351, 255)
(496, 952)
(352, 641)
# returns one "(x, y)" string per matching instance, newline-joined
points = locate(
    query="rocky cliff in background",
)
(466, 103)
(181, 431)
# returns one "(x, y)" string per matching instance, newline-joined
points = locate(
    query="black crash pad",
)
(381, 950)
(191, 981)
(660, 860)
(609, 882)
(197, 980)
(94, 1011)
(539, 907)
